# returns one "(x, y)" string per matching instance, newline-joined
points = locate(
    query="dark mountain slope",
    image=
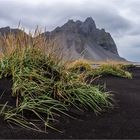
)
(83, 39)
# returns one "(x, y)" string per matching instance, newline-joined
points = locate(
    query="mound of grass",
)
(87, 69)
(110, 69)
(42, 85)
(127, 66)
(79, 66)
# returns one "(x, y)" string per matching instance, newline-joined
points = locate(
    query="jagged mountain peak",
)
(70, 21)
(89, 21)
(87, 26)
(84, 37)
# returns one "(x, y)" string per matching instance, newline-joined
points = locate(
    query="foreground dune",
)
(121, 122)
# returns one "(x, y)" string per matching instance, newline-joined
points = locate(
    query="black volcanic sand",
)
(121, 122)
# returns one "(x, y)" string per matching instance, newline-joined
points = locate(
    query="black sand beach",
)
(120, 123)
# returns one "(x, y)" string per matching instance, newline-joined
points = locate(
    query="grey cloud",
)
(28, 14)
(134, 31)
(129, 47)
(51, 14)
(132, 54)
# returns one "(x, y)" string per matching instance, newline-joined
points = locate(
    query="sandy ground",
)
(121, 122)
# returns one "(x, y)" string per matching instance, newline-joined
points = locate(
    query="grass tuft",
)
(87, 69)
(114, 70)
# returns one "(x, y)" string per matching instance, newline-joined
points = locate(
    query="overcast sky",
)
(119, 17)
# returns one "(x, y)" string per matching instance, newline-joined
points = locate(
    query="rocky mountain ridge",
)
(84, 39)
(77, 39)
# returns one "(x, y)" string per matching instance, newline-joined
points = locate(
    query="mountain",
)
(7, 30)
(83, 39)
(77, 39)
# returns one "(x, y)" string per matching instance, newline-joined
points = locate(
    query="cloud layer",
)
(119, 17)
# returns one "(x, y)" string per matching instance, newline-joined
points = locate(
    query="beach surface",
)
(120, 123)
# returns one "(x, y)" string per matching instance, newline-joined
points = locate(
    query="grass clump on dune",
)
(79, 66)
(88, 69)
(114, 70)
(42, 84)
